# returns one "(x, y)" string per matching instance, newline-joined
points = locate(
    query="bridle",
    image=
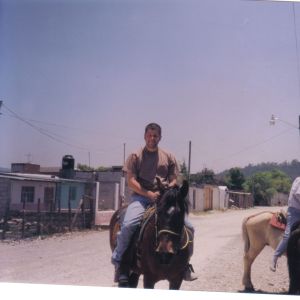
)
(168, 231)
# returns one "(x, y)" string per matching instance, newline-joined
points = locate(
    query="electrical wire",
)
(43, 131)
(247, 148)
(56, 137)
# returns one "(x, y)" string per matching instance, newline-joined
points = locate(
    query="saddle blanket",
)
(275, 222)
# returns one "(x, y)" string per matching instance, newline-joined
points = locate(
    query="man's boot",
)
(189, 268)
(117, 270)
(120, 277)
(117, 273)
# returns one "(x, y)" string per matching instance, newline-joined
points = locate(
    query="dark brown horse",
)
(293, 258)
(160, 248)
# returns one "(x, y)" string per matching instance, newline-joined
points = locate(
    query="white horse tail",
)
(245, 235)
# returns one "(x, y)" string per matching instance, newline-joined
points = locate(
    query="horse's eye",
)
(170, 210)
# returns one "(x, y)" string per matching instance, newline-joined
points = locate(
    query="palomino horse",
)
(160, 249)
(258, 233)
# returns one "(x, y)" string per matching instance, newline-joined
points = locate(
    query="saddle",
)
(278, 220)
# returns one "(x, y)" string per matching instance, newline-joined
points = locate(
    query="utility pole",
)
(189, 163)
(124, 153)
(28, 158)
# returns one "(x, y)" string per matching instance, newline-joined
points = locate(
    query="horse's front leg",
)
(175, 283)
(148, 282)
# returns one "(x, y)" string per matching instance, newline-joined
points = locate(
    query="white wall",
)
(196, 198)
(16, 189)
(219, 202)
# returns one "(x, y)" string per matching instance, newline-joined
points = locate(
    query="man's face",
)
(152, 139)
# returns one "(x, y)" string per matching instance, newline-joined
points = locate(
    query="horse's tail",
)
(245, 235)
(113, 228)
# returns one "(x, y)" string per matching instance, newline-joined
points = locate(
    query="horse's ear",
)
(159, 184)
(184, 188)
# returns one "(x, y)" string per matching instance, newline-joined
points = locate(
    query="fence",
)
(240, 200)
(25, 223)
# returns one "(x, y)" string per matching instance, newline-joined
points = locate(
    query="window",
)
(27, 194)
(72, 193)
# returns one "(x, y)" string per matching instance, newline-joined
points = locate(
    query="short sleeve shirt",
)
(145, 166)
(294, 197)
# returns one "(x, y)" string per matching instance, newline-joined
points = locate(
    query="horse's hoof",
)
(123, 281)
(123, 284)
(248, 290)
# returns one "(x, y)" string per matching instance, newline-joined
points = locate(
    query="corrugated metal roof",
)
(37, 177)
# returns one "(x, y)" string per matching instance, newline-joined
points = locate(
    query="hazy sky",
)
(84, 77)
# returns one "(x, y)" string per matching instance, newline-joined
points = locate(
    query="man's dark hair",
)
(153, 126)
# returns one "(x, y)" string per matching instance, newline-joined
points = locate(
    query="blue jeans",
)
(293, 215)
(132, 220)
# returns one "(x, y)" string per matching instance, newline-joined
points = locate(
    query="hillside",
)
(292, 169)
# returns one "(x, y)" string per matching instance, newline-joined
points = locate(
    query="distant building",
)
(18, 190)
(25, 168)
(213, 197)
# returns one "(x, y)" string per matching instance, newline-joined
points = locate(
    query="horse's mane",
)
(172, 196)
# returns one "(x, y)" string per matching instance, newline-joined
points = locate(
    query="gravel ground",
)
(83, 258)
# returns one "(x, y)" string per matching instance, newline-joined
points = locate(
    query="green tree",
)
(102, 169)
(280, 181)
(206, 176)
(184, 170)
(83, 167)
(235, 179)
(264, 185)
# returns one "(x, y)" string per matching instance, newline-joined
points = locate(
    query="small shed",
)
(208, 197)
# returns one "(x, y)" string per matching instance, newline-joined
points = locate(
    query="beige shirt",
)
(145, 166)
(294, 197)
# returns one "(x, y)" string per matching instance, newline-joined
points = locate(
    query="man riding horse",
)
(293, 215)
(142, 168)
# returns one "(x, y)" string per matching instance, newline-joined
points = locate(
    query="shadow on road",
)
(262, 292)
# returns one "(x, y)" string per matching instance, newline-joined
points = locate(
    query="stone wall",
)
(29, 224)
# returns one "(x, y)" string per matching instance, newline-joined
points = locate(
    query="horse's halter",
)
(164, 230)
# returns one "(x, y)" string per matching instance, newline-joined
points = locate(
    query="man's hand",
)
(136, 187)
(153, 196)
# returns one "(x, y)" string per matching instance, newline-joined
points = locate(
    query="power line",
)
(43, 131)
(247, 148)
(56, 137)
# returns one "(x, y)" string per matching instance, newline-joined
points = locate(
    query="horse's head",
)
(171, 210)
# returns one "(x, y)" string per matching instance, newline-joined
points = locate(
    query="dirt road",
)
(83, 258)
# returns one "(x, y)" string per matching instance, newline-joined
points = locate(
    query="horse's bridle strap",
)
(168, 231)
(187, 239)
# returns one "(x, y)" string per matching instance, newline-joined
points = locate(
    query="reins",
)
(177, 234)
(167, 231)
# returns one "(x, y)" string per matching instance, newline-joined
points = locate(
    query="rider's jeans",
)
(293, 215)
(132, 219)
